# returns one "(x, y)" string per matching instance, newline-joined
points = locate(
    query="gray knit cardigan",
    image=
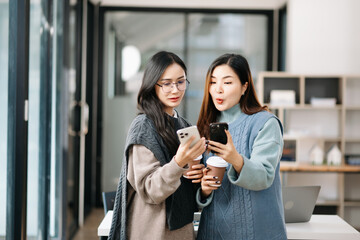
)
(180, 206)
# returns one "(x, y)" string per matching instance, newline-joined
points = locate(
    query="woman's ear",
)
(244, 87)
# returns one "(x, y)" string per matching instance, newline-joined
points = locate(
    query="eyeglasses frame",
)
(176, 84)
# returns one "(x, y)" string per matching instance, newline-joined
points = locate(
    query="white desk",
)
(322, 227)
(104, 227)
(319, 227)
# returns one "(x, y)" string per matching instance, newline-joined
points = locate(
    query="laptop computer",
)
(299, 202)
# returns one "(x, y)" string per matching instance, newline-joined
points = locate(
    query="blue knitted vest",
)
(239, 213)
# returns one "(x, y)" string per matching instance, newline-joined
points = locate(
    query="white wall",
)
(323, 36)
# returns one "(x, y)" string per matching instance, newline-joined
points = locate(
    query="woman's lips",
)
(219, 100)
(175, 99)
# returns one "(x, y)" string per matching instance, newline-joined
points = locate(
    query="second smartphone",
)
(217, 132)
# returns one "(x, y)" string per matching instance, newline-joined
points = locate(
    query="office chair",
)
(108, 200)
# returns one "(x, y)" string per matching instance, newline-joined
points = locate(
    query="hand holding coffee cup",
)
(217, 167)
(190, 164)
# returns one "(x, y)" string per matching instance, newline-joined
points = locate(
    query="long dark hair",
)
(149, 103)
(249, 102)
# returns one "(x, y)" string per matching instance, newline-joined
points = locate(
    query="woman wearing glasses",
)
(153, 200)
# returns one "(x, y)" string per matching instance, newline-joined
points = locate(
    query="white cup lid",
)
(216, 161)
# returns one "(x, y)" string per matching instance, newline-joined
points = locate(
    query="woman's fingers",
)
(216, 144)
(195, 174)
(205, 170)
(186, 154)
(198, 166)
(198, 148)
(196, 181)
(208, 180)
(229, 138)
(188, 142)
(216, 149)
(208, 186)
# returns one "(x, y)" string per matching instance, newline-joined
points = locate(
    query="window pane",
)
(211, 35)
(58, 120)
(4, 55)
(45, 132)
(34, 114)
(149, 33)
(72, 174)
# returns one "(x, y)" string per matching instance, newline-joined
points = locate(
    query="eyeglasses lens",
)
(181, 86)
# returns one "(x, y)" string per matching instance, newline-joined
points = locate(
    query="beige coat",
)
(149, 184)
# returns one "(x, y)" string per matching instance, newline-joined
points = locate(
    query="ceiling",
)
(213, 4)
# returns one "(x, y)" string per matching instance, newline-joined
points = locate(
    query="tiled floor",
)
(89, 230)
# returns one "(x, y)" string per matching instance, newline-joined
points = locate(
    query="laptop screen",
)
(299, 202)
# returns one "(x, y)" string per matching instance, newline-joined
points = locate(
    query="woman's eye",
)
(227, 82)
(166, 84)
(180, 81)
(212, 82)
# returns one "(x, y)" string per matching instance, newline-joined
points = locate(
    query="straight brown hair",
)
(249, 102)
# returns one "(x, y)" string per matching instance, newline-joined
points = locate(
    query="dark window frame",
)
(18, 88)
(282, 39)
(18, 112)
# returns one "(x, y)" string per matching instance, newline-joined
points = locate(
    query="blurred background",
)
(70, 71)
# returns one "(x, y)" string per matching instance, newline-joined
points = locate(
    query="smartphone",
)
(217, 132)
(184, 135)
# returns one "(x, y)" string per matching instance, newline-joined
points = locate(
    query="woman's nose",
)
(174, 88)
(219, 88)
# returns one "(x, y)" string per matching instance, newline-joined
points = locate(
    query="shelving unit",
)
(306, 125)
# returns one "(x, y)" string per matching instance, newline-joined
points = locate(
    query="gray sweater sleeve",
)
(153, 182)
(258, 172)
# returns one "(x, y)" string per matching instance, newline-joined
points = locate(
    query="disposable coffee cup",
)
(191, 163)
(217, 167)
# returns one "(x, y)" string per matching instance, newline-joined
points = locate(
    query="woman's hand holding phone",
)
(228, 152)
(185, 153)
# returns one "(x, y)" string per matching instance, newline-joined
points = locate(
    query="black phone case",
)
(217, 132)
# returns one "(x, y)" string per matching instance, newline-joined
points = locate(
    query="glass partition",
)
(4, 55)
(130, 48)
(46, 120)
(211, 35)
(34, 115)
(198, 38)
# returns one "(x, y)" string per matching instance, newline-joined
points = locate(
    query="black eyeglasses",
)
(167, 86)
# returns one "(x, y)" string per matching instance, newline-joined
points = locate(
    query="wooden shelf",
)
(352, 107)
(304, 107)
(304, 137)
(307, 126)
(299, 167)
(324, 202)
(354, 140)
(352, 203)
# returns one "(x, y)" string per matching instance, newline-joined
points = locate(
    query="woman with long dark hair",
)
(153, 200)
(248, 204)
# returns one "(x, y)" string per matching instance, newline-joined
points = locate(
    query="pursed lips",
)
(219, 100)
